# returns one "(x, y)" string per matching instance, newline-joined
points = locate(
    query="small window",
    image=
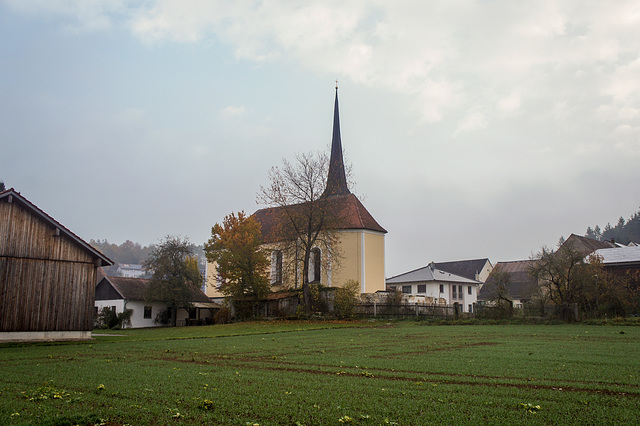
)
(147, 312)
(470, 308)
(113, 309)
(406, 289)
(469, 291)
(441, 288)
(460, 291)
(422, 288)
(454, 291)
(391, 288)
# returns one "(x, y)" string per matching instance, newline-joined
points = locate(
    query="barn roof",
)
(352, 213)
(586, 245)
(521, 284)
(11, 195)
(134, 288)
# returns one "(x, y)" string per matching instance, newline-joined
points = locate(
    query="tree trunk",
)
(306, 292)
(174, 315)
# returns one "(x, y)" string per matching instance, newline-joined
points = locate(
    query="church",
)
(359, 240)
(359, 237)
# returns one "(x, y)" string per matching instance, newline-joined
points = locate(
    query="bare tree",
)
(303, 213)
(564, 275)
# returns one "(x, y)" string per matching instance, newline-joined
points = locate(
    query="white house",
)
(441, 286)
(120, 293)
(129, 270)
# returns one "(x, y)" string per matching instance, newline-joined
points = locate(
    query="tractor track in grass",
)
(429, 377)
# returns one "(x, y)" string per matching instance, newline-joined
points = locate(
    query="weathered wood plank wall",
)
(47, 280)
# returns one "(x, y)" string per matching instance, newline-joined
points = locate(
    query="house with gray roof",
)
(440, 286)
(474, 269)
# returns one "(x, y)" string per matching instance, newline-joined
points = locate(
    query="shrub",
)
(346, 299)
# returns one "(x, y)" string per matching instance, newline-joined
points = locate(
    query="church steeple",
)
(336, 179)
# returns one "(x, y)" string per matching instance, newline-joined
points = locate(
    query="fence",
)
(411, 311)
(527, 311)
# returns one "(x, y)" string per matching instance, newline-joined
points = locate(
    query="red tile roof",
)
(353, 215)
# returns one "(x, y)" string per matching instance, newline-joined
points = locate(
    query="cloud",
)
(233, 111)
(445, 56)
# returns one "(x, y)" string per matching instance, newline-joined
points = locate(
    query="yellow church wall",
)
(362, 260)
(348, 265)
(211, 288)
(374, 261)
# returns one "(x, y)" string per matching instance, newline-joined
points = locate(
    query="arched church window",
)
(276, 267)
(315, 265)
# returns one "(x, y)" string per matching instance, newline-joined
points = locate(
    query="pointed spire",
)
(337, 179)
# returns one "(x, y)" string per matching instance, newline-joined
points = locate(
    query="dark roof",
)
(336, 179)
(464, 268)
(353, 215)
(587, 245)
(521, 283)
(134, 288)
(13, 196)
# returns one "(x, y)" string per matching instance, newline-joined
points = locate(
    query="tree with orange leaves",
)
(242, 264)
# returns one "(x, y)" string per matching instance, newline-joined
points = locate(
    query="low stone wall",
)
(43, 336)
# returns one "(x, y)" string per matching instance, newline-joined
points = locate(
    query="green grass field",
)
(361, 373)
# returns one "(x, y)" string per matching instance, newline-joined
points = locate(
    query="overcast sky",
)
(475, 128)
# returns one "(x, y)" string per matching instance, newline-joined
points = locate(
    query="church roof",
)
(351, 212)
(336, 179)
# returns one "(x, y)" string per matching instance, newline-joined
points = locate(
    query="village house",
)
(438, 287)
(621, 261)
(120, 293)
(47, 275)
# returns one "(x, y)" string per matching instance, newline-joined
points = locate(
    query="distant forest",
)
(624, 232)
(133, 253)
(127, 252)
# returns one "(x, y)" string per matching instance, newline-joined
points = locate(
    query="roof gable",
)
(520, 286)
(586, 245)
(12, 196)
(465, 268)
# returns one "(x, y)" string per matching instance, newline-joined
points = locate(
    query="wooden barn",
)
(47, 275)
